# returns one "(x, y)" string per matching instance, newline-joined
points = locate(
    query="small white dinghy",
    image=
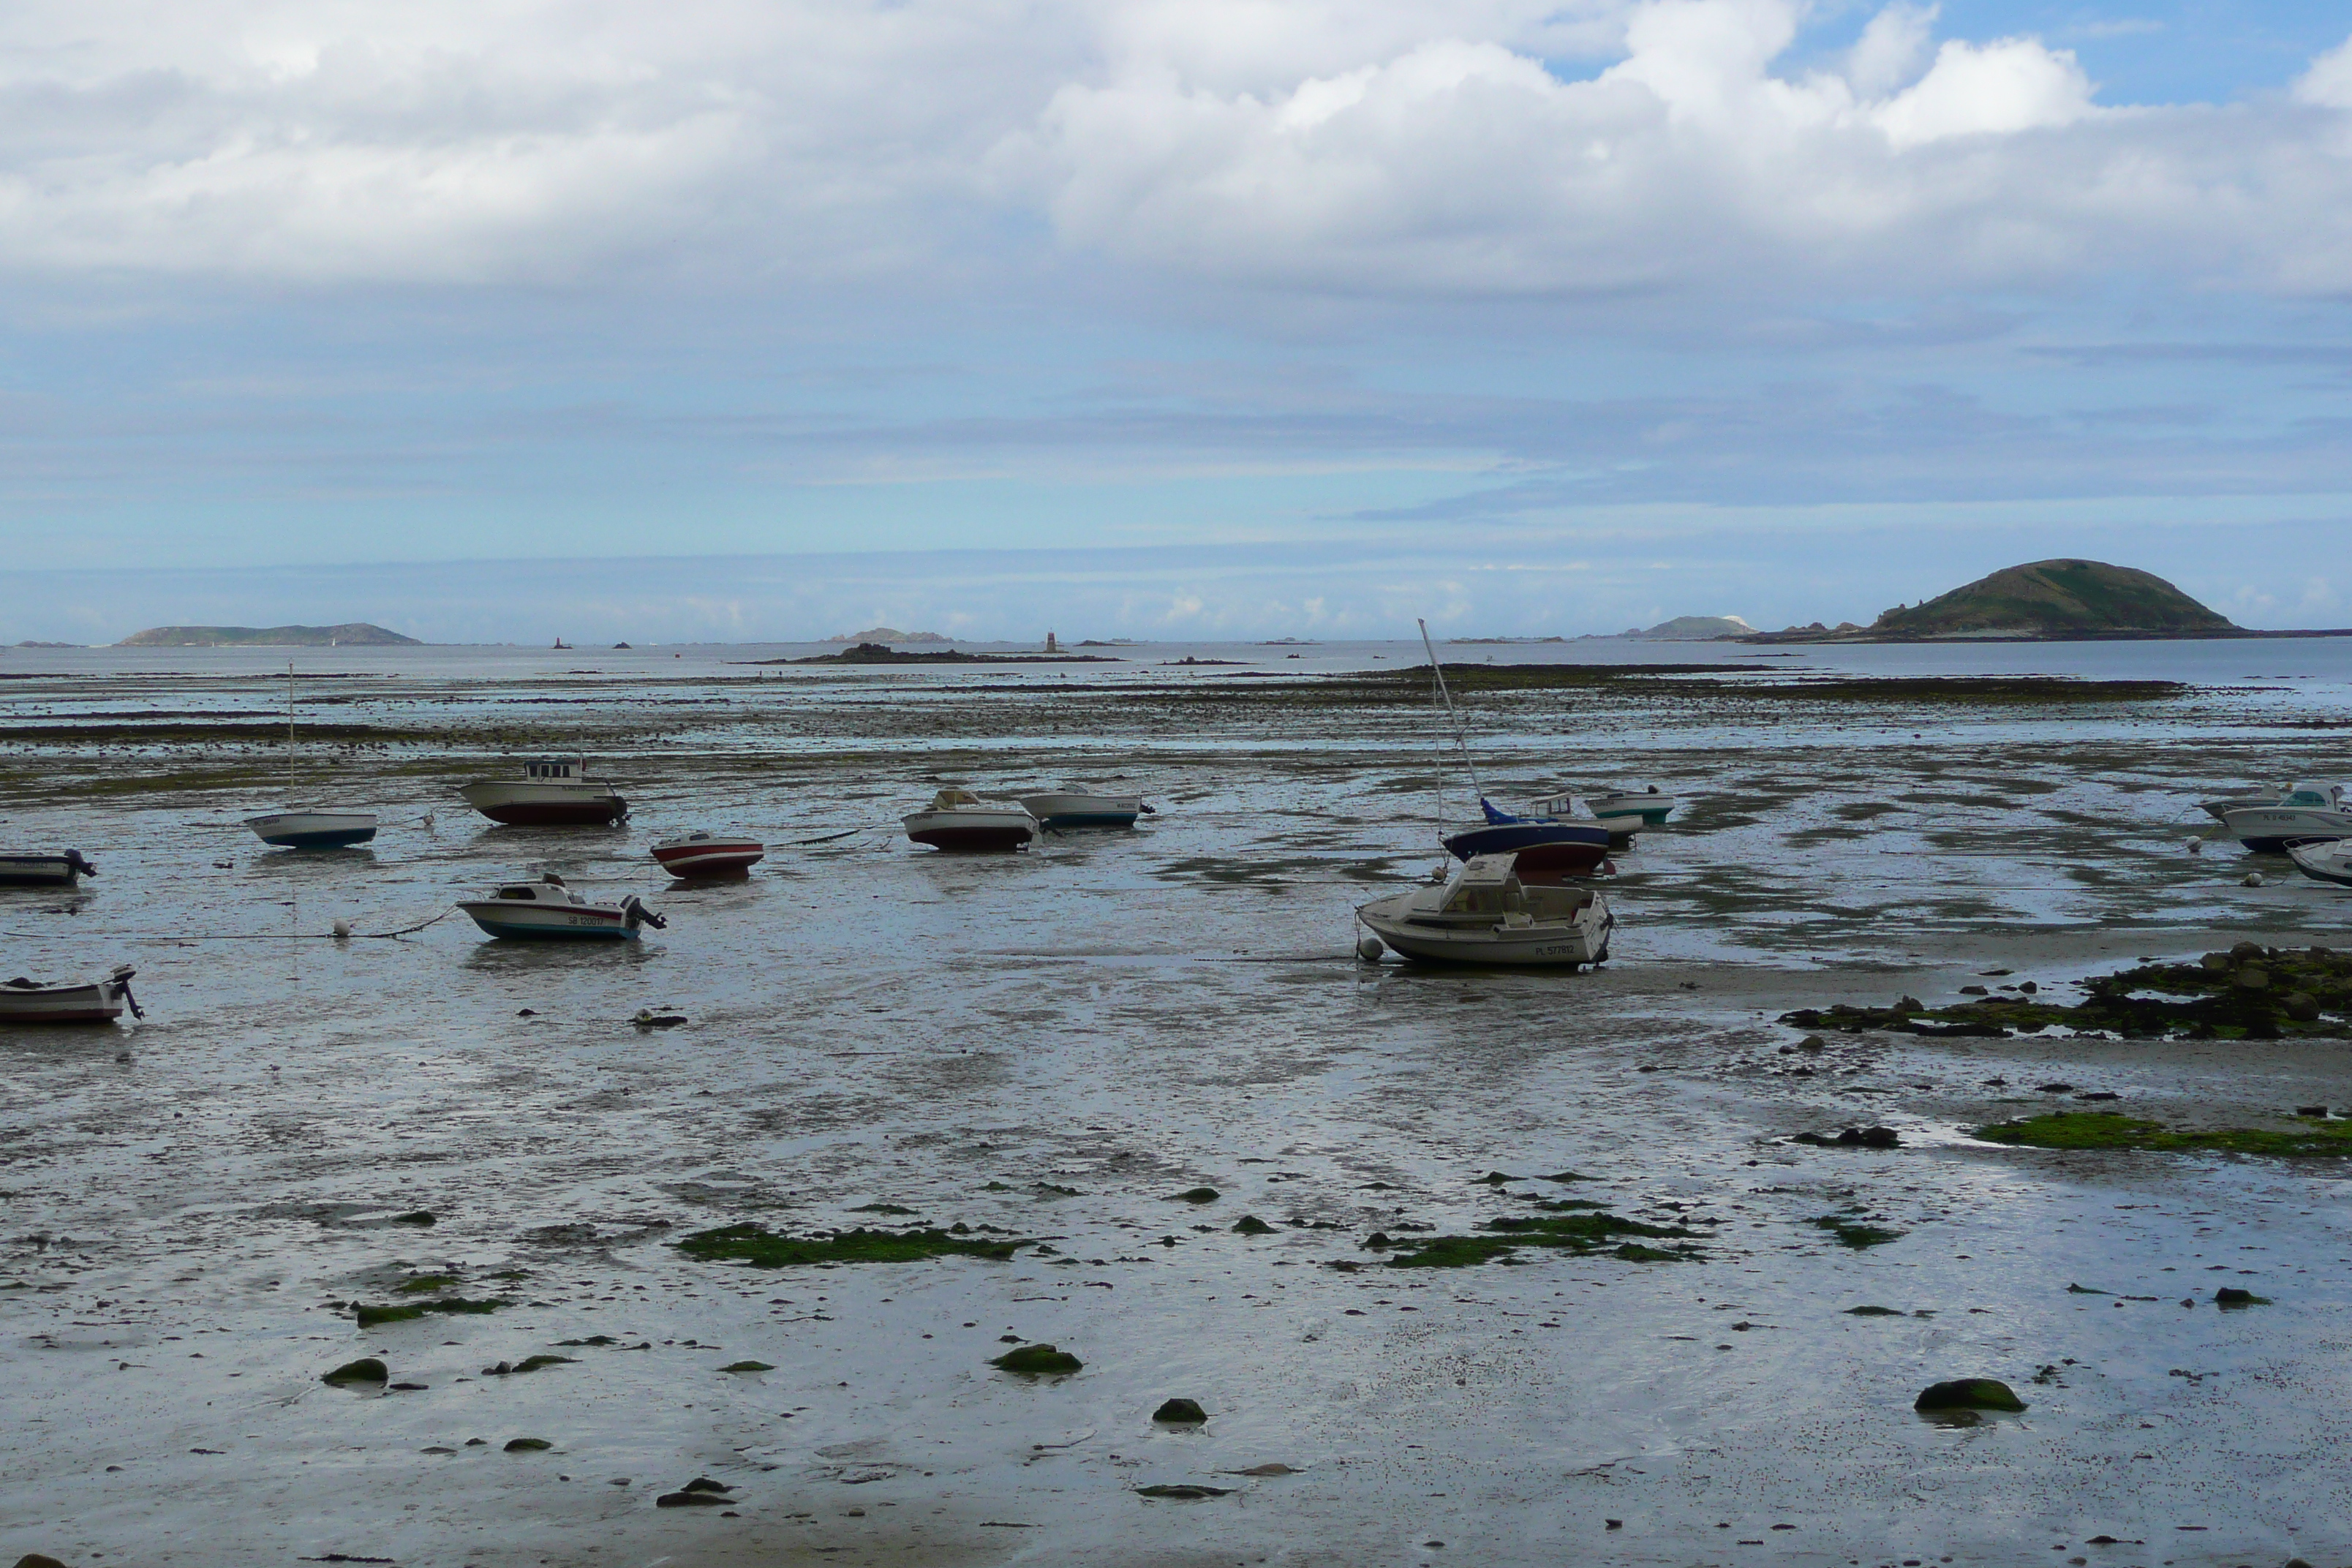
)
(92, 1001)
(700, 854)
(547, 909)
(1649, 804)
(2325, 860)
(1077, 806)
(958, 819)
(1483, 914)
(298, 828)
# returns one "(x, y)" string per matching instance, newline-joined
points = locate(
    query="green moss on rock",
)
(1038, 1361)
(2112, 1130)
(1968, 1393)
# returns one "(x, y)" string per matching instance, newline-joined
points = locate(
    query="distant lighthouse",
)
(1051, 646)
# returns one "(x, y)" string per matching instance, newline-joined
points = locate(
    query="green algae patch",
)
(1872, 1312)
(1038, 1361)
(764, 1248)
(748, 1366)
(2251, 991)
(1855, 1232)
(1577, 1233)
(2112, 1130)
(2228, 1297)
(408, 1311)
(425, 1284)
(1968, 1393)
(1194, 1196)
(527, 1445)
(367, 1369)
(1250, 1225)
(881, 1208)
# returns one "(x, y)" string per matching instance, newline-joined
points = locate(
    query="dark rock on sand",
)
(1036, 1361)
(748, 1366)
(1852, 1138)
(367, 1369)
(1185, 1492)
(1968, 1393)
(1250, 1225)
(2231, 1295)
(527, 1445)
(38, 1560)
(1180, 1411)
(690, 1500)
(1194, 1196)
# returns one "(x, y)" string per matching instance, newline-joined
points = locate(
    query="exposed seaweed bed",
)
(1128, 1100)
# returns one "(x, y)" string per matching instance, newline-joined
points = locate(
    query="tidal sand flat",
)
(1452, 1266)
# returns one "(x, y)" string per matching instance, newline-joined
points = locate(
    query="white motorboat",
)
(2310, 811)
(1620, 827)
(91, 1002)
(44, 870)
(547, 909)
(1076, 805)
(2328, 860)
(1483, 914)
(2220, 810)
(553, 792)
(1648, 804)
(958, 819)
(700, 854)
(295, 829)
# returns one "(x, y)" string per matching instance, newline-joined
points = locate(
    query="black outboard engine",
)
(74, 862)
(637, 914)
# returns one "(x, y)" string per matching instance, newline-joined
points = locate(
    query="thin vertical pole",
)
(1460, 739)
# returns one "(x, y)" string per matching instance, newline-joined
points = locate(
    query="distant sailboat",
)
(295, 829)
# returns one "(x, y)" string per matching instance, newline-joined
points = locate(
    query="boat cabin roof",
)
(948, 799)
(2313, 795)
(555, 767)
(548, 889)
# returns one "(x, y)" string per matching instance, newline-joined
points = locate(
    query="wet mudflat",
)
(1061, 1053)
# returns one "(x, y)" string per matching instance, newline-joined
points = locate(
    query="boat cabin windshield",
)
(1487, 885)
(555, 768)
(548, 889)
(2312, 794)
(949, 799)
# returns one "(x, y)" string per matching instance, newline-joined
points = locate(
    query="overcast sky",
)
(1163, 317)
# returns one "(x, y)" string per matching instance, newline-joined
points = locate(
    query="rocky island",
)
(2060, 601)
(350, 634)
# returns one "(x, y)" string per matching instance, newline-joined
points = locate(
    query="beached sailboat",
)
(99, 1001)
(1553, 845)
(308, 827)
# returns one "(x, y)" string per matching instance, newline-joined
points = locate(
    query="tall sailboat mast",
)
(1461, 740)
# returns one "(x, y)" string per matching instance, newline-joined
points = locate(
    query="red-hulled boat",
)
(709, 855)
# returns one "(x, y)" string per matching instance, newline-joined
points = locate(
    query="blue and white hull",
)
(313, 829)
(1543, 844)
(1067, 808)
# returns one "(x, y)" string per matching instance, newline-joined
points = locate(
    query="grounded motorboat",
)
(313, 829)
(958, 819)
(548, 909)
(1649, 805)
(1076, 805)
(699, 854)
(295, 829)
(1553, 845)
(91, 1002)
(1483, 913)
(2220, 810)
(553, 792)
(1622, 827)
(2310, 811)
(44, 870)
(2326, 860)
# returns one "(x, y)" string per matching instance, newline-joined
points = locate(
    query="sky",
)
(771, 319)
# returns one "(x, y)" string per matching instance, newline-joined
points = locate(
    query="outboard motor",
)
(637, 914)
(74, 862)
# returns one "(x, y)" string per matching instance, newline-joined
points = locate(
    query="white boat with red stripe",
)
(700, 854)
(91, 1002)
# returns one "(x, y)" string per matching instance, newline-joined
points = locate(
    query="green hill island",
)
(2057, 601)
(351, 633)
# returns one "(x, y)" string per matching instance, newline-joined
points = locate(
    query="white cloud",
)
(1390, 146)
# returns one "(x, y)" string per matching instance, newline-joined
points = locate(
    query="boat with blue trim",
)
(1077, 806)
(1551, 846)
(547, 909)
